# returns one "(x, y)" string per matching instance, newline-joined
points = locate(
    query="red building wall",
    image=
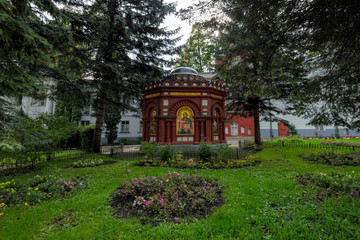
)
(246, 123)
(282, 129)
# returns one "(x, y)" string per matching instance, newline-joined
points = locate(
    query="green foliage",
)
(87, 134)
(206, 152)
(221, 151)
(60, 129)
(112, 119)
(179, 156)
(88, 163)
(292, 130)
(122, 50)
(178, 162)
(149, 149)
(167, 153)
(200, 49)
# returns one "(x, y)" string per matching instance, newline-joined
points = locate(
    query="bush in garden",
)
(149, 149)
(178, 162)
(166, 198)
(332, 184)
(222, 150)
(88, 163)
(38, 189)
(167, 153)
(206, 151)
(332, 158)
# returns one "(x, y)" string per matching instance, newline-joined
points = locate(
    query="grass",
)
(261, 202)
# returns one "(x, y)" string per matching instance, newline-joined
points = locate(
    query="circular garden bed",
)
(170, 198)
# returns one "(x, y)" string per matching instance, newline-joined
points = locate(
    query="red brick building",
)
(184, 108)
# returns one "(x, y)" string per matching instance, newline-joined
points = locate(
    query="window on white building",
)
(320, 128)
(85, 123)
(125, 126)
(234, 129)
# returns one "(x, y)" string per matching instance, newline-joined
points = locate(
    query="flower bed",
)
(200, 164)
(39, 189)
(168, 198)
(332, 184)
(88, 163)
(332, 158)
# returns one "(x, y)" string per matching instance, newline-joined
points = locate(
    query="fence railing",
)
(233, 153)
(22, 160)
(310, 145)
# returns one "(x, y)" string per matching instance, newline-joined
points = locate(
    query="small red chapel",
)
(184, 108)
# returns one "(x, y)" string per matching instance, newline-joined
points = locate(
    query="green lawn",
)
(261, 202)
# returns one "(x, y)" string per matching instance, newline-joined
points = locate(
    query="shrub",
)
(149, 149)
(88, 163)
(222, 150)
(167, 153)
(166, 198)
(206, 151)
(196, 164)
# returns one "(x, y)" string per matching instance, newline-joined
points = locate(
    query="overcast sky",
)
(173, 22)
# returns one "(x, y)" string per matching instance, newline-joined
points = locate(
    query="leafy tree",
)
(200, 49)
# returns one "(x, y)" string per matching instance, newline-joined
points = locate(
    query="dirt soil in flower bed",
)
(155, 200)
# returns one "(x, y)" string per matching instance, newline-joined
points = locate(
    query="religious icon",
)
(185, 121)
(153, 123)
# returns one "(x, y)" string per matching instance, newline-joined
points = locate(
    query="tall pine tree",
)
(256, 56)
(126, 43)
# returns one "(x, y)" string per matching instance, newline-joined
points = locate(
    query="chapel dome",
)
(184, 70)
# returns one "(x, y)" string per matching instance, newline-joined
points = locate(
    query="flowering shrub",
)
(332, 158)
(169, 198)
(199, 164)
(88, 163)
(332, 184)
(39, 189)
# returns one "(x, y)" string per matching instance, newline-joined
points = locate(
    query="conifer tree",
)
(125, 43)
(256, 57)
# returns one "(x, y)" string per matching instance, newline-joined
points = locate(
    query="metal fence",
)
(233, 153)
(9, 161)
(310, 145)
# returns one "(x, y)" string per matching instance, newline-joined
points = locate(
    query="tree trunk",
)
(257, 121)
(100, 113)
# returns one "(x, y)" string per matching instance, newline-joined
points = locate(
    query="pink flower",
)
(190, 160)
